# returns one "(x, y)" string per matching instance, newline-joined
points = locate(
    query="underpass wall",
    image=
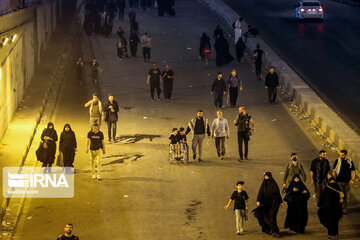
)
(325, 121)
(33, 27)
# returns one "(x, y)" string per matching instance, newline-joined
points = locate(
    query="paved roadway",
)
(325, 53)
(142, 196)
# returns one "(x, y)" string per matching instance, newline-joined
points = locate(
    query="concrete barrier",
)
(322, 117)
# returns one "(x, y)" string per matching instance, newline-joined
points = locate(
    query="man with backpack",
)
(243, 122)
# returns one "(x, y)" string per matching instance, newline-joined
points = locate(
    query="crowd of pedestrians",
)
(331, 187)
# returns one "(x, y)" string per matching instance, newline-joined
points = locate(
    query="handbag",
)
(60, 160)
(342, 195)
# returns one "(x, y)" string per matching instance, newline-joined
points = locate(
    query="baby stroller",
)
(178, 153)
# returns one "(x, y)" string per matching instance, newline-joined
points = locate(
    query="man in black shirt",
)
(68, 233)
(111, 108)
(272, 84)
(319, 173)
(95, 141)
(344, 171)
(199, 125)
(241, 205)
(243, 122)
(258, 60)
(218, 89)
(154, 78)
(168, 78)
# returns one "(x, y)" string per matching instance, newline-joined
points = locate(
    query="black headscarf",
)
(333, 185)
(268, 189)
(50, 124)
(67, 125)
(299, 185)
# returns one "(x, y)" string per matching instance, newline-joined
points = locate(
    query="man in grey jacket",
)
(294, 167)
(199, 125)
(220, 130)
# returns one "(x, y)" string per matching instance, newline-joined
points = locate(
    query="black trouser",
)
(272, 93)
(68, 157)
(121, 13)
(220, 146)
(168, 86)
(233, 95)
(111, 125)
(243, 137)
(146, 53)
(155, 85)
(218, 98)
(133, 49)
(258, 68)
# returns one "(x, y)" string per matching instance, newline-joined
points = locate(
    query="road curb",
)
(327, 123)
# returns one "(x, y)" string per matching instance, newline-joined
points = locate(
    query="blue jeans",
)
(218, 98)
(111, 125)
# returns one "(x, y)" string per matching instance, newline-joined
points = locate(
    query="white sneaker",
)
(93, 176)
(242, 230)
(98, 177)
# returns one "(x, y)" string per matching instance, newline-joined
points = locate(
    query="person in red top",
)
(207, 53)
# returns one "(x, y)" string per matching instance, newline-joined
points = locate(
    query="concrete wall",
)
(33, 28)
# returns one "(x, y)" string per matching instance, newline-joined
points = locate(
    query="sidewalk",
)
(141, 195)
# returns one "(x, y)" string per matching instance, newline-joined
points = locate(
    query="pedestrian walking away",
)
(269, 201)
(95, 69)
(68, 146)
(218, 32)
(199, 127)
(49, 135)
(146, 45)
(223, 56)
(134, 42)
(234, 84)
(218, 89)
(293, 168)
(243, 122)
(168, 78)
(272, 84)
(297, 196)
(95, 110)
(80, 70)
(68, 233)
(344, 172)
(241, 206)
(204, 42)
(121, 6)
(319, 173)
(237, 25)
(330, 209)
(111, 109)
(154, 78)
(258, 55)
(95, 143)
(220, 130)
(240, 48)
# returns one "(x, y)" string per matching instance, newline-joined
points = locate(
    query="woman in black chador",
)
(297, 196)
(49, 136)
(68, 145)
(204, 42)
(223, 56)
(269, 200)
(330, 208)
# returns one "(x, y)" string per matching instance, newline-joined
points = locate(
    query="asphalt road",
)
(142, 196)
(325, 54)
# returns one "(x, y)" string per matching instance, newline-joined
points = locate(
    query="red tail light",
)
(302, 10)
(320, 9)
